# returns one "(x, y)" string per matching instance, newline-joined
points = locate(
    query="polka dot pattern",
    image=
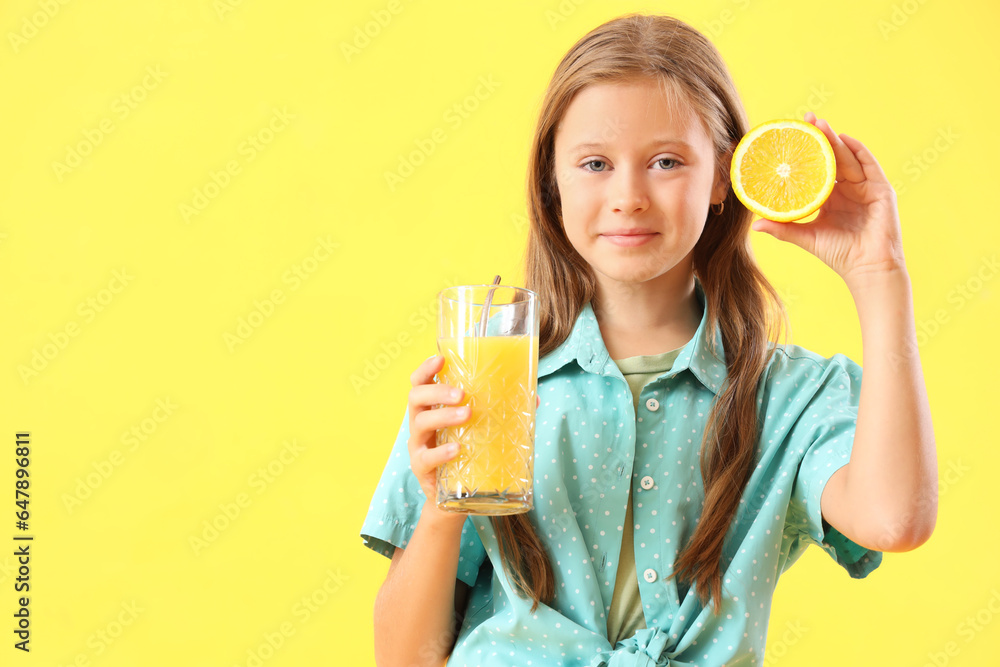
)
(594, 447)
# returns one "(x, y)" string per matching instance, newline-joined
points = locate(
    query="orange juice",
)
(493, 471)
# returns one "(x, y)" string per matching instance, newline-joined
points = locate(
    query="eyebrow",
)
(655, 143)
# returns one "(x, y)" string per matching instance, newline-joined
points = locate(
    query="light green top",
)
(592, 449)
(625, 615)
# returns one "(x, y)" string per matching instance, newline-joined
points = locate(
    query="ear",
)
(720, 187)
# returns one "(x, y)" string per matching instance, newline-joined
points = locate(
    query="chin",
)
(626, 275)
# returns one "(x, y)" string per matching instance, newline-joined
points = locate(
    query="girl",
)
(683, 461)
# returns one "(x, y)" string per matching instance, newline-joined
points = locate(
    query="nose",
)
(628, 192)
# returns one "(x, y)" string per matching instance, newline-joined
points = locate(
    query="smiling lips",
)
(629, 237)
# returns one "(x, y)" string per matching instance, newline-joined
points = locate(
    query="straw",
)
(486, 307)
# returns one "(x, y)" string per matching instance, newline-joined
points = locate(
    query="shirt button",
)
(653, 404)
(646, 482)
(649, 575)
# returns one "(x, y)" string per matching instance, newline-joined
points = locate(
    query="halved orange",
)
(783, 170)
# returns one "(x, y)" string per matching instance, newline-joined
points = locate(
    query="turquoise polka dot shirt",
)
(590, 447)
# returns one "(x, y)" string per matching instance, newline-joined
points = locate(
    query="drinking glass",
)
(488, 336)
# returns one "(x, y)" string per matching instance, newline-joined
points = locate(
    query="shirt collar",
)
(586, 347)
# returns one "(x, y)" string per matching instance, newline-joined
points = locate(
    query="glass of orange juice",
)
(488, 336)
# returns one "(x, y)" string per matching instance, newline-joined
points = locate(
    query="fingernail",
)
(456, 393)
(451, 448)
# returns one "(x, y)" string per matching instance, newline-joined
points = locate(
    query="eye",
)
(600, 162)
(667, 159)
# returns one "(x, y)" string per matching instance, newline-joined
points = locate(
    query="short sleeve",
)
(825, 431)
(395, 509)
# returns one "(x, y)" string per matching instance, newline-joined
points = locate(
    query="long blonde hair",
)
(739, 298)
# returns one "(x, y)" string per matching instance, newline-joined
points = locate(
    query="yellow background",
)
(160, 100)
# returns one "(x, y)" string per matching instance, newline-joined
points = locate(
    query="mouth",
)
(629, 237)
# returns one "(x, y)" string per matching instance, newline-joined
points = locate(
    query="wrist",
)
(884, 303)
(439, 520)
(865, 283)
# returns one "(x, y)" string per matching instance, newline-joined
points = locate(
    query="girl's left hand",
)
(857, 231)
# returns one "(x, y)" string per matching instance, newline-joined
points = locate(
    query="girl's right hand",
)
(425, 420)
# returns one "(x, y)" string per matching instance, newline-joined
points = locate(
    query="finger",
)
(848, 167)
(428, 421)
(429, 458)
(800, 234)
(426, 370)
(426, 395)
(872, 169)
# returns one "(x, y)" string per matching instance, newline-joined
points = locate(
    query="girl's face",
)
(635, 181)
